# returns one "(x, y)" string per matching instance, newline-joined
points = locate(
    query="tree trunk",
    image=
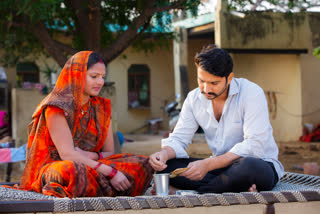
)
(89, 22)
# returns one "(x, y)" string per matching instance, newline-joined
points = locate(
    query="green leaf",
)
(63, 25)
(316, 52)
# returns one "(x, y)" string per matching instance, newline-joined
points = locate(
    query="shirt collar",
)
(234, 87)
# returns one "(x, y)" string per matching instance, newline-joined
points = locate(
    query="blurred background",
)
(149, 46)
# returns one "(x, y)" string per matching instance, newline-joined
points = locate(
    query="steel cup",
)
(161, 182)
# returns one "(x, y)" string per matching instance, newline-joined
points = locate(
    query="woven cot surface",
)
(7, 194)
(291, 188)
(297, 182)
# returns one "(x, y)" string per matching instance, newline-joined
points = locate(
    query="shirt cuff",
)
(180, 151)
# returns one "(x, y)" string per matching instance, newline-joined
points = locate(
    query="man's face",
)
(212, 86)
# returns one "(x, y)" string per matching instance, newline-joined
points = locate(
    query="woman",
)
(70, 146)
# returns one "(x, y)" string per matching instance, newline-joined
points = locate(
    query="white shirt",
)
(244, 127)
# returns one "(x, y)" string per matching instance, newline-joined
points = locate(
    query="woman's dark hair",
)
(214, 60)
(93, 59)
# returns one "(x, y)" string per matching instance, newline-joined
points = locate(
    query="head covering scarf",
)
(66, 95)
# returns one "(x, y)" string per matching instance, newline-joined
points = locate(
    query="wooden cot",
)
(293, 187)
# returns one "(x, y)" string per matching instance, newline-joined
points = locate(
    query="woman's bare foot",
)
(172, 190)
(253, 188)
(153, 190)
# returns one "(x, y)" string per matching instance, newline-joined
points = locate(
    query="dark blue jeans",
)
(237, 177)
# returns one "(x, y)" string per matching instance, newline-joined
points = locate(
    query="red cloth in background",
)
(314, 136)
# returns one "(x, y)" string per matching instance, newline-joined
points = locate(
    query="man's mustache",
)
(210, 93)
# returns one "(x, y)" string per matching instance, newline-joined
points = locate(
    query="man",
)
(233, 114)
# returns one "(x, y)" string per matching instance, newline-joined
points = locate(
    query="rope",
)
(204, 200)
(62, 205)
(221, 198)
(294, 187)
(223, 201)
(67, 205)
(152, 202)
(134, 204)
(281, 198)
(185, 201)
(259, 198)
(84, 205)
(115, 204)
(242, 200)
(96, 204)
(299, 196)
(169, 202)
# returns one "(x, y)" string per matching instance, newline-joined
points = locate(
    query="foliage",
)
(60, 28)
(316, 52)
(274, 5)
(47, 70)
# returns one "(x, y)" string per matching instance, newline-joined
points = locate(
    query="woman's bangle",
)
(97, 166)
(112, 173)
(100, 156)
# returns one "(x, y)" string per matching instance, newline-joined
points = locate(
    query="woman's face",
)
(94, 80)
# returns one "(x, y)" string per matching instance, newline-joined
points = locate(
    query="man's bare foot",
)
(253, 188)
(172, 190)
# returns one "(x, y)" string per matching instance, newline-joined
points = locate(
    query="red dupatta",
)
(66, 95)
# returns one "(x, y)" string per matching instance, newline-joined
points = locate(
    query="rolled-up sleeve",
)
(256, 127)
(183, 132)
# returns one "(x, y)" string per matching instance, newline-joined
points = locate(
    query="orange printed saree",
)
(46, 173)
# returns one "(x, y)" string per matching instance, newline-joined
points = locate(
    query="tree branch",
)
(130, 35)
(65, 48)
(40, 31)
(14, 24)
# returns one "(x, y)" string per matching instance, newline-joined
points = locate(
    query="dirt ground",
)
(293, 155)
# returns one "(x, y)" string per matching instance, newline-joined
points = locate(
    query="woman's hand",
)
(90, 155)
(120, 182)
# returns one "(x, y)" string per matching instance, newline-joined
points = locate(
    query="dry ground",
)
(291, 154)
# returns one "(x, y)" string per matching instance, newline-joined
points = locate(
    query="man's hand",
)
(120, 182)
(158, 160)
(198, 169)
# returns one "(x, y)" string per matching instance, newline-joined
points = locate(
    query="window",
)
(138, 86)
(27, 72)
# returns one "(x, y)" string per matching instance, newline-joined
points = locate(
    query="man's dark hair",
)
(93, 59)
(214, 60)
